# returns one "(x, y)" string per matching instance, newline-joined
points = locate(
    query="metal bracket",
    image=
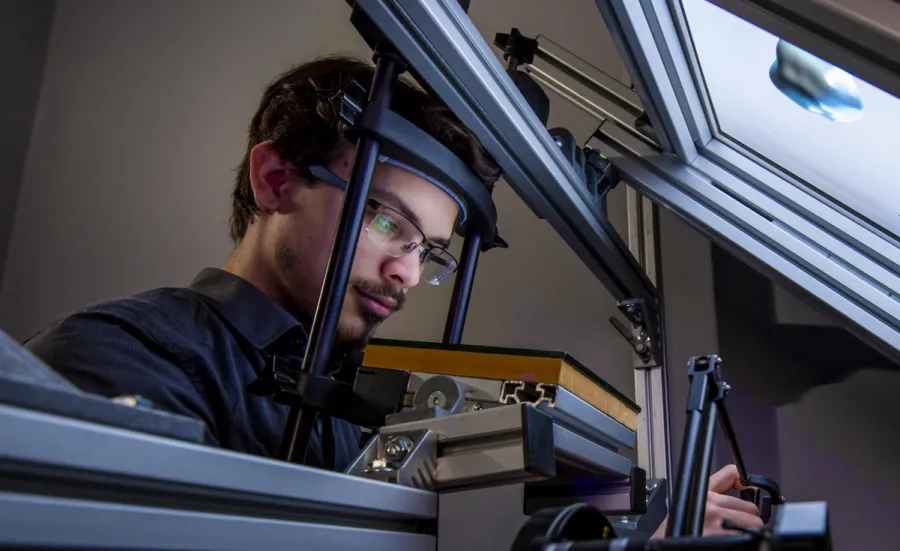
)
(637, 335)
(408, 459)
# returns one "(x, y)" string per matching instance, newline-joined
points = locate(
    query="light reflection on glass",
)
(816, 85)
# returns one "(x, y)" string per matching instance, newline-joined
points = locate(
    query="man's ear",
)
(268, 177)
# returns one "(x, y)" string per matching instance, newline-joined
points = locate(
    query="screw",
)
(397, 448)
(640, 348)
(380, 466)
(477, 407)
(624, 520)
(437, 399)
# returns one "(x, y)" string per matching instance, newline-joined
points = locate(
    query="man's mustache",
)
(385, 290)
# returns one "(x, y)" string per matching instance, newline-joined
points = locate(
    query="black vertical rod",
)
(697, 401)
(678, 513)
(343, 249)
(462, 288)
(731, 439)
(701, 474)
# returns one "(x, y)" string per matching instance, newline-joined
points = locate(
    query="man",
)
(194, 350)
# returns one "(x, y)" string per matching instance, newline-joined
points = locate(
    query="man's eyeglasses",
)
(396, 235)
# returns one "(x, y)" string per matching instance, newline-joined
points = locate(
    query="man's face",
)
(379, 281)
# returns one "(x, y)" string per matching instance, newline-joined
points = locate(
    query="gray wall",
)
(24, 35)
(820, 425)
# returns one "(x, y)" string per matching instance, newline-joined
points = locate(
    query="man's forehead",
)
(420, 201)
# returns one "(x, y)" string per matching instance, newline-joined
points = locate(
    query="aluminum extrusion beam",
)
(49, 453)
(707, 207)
(29, 521)
(491, 447)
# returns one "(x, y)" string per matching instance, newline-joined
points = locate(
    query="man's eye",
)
(385, 225)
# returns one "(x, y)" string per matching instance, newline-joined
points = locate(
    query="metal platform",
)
(62, 480)
(566, 409)
(497, 446)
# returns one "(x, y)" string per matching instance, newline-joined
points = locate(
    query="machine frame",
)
(770, 219)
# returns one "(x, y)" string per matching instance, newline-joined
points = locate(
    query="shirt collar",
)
(254, 314)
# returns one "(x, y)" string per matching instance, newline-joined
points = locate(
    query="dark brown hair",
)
(295, 114)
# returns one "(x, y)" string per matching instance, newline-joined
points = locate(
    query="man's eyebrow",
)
(394, 201)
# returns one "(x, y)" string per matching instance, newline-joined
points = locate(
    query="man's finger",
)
(726, 479)
(738, 517)
(732, 503)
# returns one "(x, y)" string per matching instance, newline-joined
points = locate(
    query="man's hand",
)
(720, 506)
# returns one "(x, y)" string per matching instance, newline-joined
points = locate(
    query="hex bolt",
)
(397, 448)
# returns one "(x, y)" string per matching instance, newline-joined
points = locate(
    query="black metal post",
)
(731, 439)
(679, 509)
(331, 298)
(699, 371)
(462, 288)
(701, 474)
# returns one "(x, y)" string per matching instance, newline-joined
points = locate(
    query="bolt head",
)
(478, 406)
(397, 447)
(380, 466)
(437, 399)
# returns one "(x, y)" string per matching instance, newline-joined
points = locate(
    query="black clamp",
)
(516, 47)
(598, 175)
(519, 50)
(283, 379)
(635, 311)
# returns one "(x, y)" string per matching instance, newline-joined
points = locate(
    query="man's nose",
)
(403, 271)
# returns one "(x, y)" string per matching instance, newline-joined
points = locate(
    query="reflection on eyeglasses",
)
(396, 235)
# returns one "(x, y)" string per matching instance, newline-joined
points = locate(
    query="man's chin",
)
(355, 335)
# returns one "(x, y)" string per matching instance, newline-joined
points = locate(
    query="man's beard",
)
(304, 295)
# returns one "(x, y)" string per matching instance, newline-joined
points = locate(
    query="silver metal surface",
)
(407, 458)
(634, 37)
(58, 523)
(568, 63)
(601, 114)
(452, 57)
(127, 463)
(465, 425)
(480, 393)
(649, 381)
(528, 392)
(822, 216)
(442, 392)
(575, 450)
(666, 21)
(487, 448)
(566, 409)
(575, 414)
(882, 280)
(754, 238)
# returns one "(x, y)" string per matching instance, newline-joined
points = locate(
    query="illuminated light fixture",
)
(816, 85)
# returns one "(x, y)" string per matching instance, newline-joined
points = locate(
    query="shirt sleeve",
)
(110, 354)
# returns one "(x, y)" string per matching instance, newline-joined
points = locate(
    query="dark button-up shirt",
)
(191, 351)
